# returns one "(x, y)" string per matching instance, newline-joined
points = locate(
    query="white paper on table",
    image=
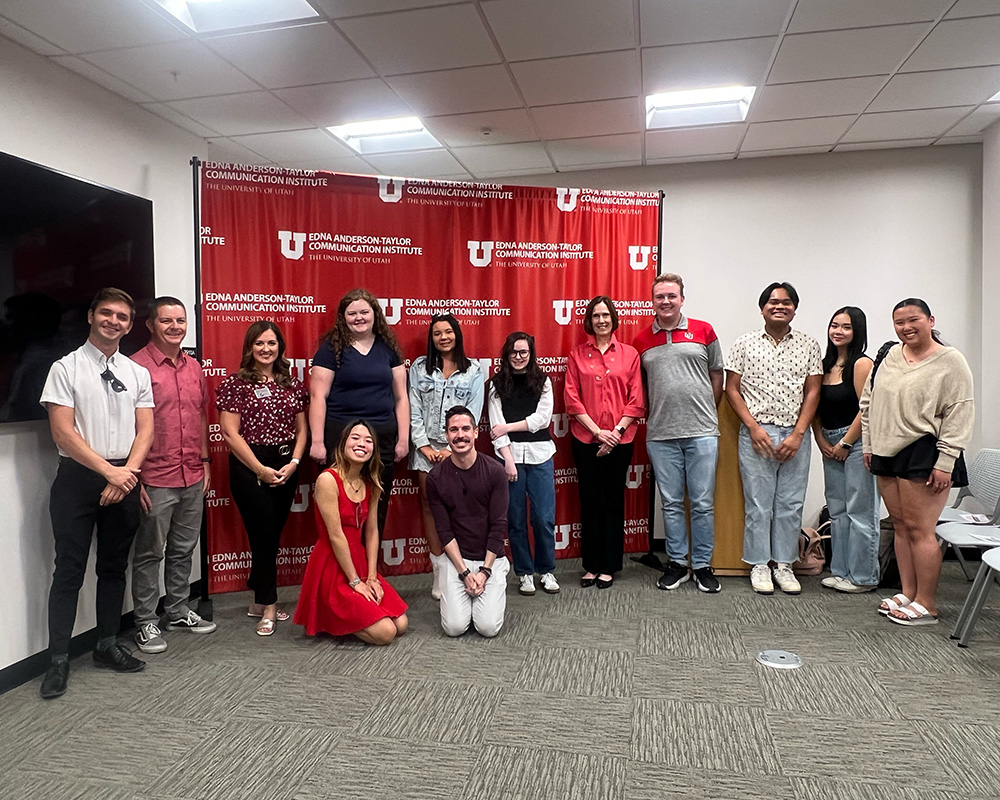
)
(975, 519)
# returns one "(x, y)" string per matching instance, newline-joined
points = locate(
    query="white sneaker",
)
(527, 584)
(760, 579)
(149, 639)
(853, 588)
(549, 583)
(831, 581)
(786, 580)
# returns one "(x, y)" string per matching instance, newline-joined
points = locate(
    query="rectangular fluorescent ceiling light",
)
(698, 107)
(221, 15)
(995, 98)
(385, 135)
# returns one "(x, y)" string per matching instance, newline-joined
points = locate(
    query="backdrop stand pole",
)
(205, 602)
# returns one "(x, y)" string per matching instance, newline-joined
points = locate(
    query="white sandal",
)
(892, 603)
(265, 627)
(915, 614)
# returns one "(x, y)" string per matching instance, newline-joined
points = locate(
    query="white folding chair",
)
(957, 535)
(984, 486)
(989, 571)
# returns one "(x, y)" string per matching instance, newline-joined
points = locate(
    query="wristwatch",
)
(463, 575)
(621, 429)
(844, 444)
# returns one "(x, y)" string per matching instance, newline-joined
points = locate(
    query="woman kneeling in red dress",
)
(341, 591)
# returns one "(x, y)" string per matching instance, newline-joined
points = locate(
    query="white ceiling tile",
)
(796, 133)
(234, 114)
(597, 76)
(690, 159)
(225, 150)
(827, 15)
(601, 118)
(693, 141)
(351, 101)
(843, 54)
(26, 38)
(422, 40)
(353, 165)
(596, 150)
(466, 130)
(978, 121)
(974, 139)
(174, 70)
(503, 175)
(958, 43)
(887, 145)
(358, 8)
(698, 66)
(311, 143)
(294, 56)
(457, 91)
(95, 25)
(785, 151)
(814, 98)
(904, 124)
(101, 78)
(681, 21)
(503, 158)
(600, 165)
(972, 8)
(527, 29)
(952, 87)
(188, 124)
(426, 164)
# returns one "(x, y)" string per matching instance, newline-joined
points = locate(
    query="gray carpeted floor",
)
(628, 693)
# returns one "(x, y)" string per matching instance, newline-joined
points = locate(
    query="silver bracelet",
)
(354, 583)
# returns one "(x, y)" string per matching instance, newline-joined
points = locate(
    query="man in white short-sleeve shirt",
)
(100, 407)
(773, 378)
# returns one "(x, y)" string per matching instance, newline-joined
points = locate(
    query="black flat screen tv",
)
(61, 240)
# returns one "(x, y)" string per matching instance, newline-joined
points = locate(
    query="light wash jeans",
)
(853, 501)
(536, 483)
(687, 462)
(773, 494)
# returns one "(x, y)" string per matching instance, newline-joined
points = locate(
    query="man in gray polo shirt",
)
(683, 369)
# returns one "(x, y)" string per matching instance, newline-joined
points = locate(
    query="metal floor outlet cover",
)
(779, 659)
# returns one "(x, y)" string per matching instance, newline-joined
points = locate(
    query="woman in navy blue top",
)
(358, 372)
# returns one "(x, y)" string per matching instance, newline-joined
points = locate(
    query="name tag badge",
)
(262, 391)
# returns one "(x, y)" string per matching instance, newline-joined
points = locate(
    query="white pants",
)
(459, 609)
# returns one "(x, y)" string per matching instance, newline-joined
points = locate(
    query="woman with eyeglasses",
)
(443, 378)
(358, 372)
(342, 592)
(520, 408)
(603, 395)
(262, 413)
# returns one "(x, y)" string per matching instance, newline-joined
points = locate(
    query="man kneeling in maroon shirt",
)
(468, 498)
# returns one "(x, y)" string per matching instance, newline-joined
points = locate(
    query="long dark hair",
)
(339, 337)
(434, 358)
(248, 365)
(856, 348)
(371, 470)
(503, 381)
(918, 303)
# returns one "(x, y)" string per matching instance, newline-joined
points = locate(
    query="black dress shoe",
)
(602, 584)
(586, 583)
(119, 659)
(54, 682)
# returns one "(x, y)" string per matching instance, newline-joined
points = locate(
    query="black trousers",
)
(75, 508)
(264, 510)
(386, 436)
(602, 505)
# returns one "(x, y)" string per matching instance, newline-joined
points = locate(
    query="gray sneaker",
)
(149, 639)
(192, 622)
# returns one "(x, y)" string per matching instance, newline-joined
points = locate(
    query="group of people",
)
(910, 410)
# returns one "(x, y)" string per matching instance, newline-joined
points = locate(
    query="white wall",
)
(58, 119)
(858, 228)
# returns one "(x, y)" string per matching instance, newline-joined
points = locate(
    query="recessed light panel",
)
(385, 135)
(698, 107)
(220, 15)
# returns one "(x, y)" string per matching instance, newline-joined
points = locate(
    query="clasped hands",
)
(121, 481)
(371, 589)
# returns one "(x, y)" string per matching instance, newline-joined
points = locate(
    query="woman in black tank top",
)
(850, 489)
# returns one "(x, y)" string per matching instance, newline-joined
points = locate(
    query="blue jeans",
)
(773, 494)
(536, 482)
(852, 500)
(687, 462)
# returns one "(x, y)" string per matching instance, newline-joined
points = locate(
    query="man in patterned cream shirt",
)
(773, 378)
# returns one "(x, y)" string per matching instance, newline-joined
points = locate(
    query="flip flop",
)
(265, 627)
(892, 603)
(281, 616)
(915, 614)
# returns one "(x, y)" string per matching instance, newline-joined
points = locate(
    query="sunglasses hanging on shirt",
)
(116, 384)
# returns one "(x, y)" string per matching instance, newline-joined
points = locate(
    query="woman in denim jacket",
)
(445, 377)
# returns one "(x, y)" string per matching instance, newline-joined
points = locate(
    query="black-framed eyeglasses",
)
(116, 384)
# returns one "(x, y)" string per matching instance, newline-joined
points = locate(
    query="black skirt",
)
(916, 462)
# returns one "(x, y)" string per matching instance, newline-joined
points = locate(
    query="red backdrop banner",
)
(285, 245)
